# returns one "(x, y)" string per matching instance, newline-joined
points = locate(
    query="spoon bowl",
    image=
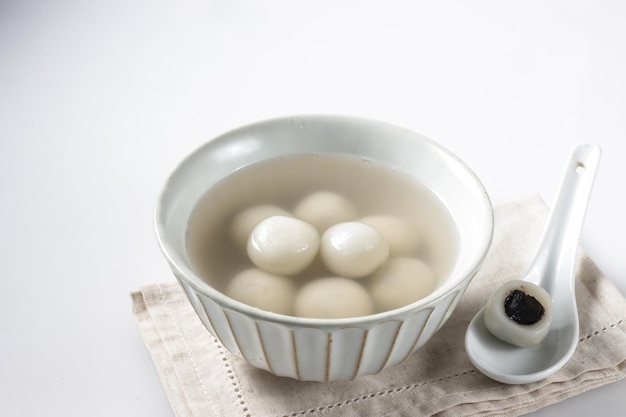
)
(511, 364)
(553, 268)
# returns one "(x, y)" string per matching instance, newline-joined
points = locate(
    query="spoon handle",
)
(554, 263)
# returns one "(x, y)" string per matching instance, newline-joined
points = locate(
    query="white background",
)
(100, 100)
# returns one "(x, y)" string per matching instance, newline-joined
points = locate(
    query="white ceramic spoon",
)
(554, 269)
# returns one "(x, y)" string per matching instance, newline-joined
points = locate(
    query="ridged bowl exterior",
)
(322, 353)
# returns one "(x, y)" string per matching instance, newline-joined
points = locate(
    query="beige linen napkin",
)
(201, 378)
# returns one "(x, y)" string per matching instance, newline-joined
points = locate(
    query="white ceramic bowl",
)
(325, 349)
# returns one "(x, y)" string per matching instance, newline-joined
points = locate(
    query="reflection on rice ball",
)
(283, 245)
(353, 249)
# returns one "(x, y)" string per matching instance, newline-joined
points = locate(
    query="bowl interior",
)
(428, 162)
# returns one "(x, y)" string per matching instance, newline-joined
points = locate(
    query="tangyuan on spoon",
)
(520, 354)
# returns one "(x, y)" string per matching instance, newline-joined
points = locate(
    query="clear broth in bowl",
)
(373, 188)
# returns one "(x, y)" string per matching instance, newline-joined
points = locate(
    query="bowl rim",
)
(201, 287)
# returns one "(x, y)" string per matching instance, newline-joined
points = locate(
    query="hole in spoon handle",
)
(557, 251)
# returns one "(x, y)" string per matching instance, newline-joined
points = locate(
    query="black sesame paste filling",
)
(523, 308)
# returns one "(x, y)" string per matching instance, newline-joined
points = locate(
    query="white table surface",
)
(99, 100)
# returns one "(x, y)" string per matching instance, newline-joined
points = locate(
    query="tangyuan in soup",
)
(298, 234)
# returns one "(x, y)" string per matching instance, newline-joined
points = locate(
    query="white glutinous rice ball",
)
(325, 208)
(263, 290)
(403, 238)
(333, 298)
(283, 245)
(247, 219)
(519, 313)
(353, 249)
(401, 281)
